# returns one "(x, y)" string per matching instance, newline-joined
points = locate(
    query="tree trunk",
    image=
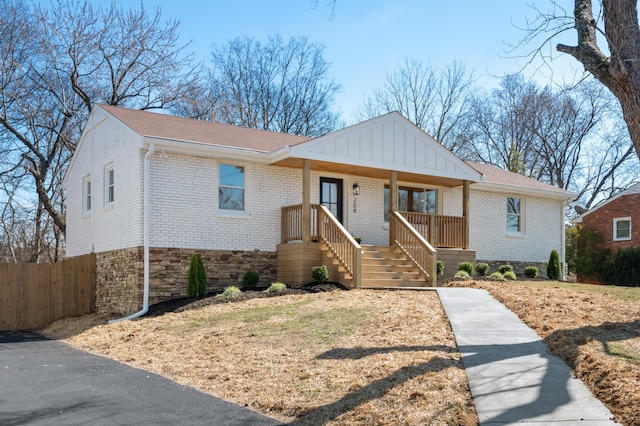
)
(621, 71)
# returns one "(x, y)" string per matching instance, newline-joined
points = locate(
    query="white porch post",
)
(306, 201)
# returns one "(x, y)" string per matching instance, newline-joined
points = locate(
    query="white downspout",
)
(145, 225)
(563, 243)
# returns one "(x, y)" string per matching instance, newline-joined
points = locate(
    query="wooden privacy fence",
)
(34, 295)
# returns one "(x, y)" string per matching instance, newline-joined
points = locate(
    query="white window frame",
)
(615, 228)
(233, 213)
(520, 231)
(109, 187)
(87, 195)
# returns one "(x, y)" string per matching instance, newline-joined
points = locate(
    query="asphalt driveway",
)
(44, 382)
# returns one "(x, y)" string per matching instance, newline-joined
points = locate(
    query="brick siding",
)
(600, 221)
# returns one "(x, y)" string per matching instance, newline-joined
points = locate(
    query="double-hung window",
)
(231, 187)
(86, 195)
(514, 215)
(622, 229)
(109, 186)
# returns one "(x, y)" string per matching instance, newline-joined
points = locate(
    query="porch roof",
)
(375, 147)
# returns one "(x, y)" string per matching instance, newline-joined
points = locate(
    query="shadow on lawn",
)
(377, 388)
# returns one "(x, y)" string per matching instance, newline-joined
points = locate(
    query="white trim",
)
(615, 228)
(534, 192)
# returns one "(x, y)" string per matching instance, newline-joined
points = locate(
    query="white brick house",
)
(145, 191)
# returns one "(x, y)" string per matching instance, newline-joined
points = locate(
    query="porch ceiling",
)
(354, 170)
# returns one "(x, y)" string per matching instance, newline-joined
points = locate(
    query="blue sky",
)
(367, 39)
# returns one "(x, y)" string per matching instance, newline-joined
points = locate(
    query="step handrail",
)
(340, 242)
(413, 244)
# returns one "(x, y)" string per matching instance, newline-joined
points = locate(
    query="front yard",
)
(370, 357)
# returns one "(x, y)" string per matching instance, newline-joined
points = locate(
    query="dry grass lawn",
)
(341, 357)
(370, 357)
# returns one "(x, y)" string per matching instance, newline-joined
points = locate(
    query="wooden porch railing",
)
(439, 230)
(291, 223)
(415, 246)
(341, 243)
(324, 227)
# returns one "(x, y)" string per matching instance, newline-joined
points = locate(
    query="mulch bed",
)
(212, 298)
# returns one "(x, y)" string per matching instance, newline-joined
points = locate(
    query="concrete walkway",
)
(512, 376)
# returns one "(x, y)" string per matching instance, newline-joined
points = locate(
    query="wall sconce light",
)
(356, 189)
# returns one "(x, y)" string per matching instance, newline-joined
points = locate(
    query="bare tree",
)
(567, 138)
(278, 86)
(437, 102)
(56, 62)
(608, 46)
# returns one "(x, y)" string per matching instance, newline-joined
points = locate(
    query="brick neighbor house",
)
(616, 222)
(145, 191)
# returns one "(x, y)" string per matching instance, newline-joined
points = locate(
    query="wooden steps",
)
(384, 266)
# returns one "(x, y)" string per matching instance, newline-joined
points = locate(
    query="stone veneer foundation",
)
(120, 274)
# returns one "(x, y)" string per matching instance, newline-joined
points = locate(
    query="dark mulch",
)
(212, 298)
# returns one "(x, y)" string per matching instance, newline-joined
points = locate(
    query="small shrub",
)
(231, 292)
(482, 269)
(276, 288)
(250, 279)
(466, 267)
(505, 268)
(440, 267)
(462, 276)
(530, 272)
(496, 276)
(320, 274)
(509, 275)
(197, 278)
(553, 267)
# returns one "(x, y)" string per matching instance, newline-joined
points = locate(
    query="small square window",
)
(86, 196)
(231, 188)
(514, 215)
(622, 229)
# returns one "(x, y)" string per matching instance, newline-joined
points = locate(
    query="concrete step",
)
(378, 283)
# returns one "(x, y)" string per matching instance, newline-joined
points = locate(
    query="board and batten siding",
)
(113, 227)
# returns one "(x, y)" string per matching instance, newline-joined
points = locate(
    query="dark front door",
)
(331, 195)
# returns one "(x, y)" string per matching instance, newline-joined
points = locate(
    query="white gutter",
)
(145, 296)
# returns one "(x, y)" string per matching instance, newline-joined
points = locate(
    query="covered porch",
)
(392, 156)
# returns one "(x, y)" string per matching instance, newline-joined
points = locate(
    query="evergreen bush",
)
(440, 267)
(553, 267)
(509, 275)
(482, 269)
(276, 288)
(250, 279)
(505, 268)
(462, 275)
(496, 276)
(197, 278)
(530, 272)
(320, 274)
(231, 292)
(622, 268)
(466, 267)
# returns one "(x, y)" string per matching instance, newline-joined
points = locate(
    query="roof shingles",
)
(185, 129)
